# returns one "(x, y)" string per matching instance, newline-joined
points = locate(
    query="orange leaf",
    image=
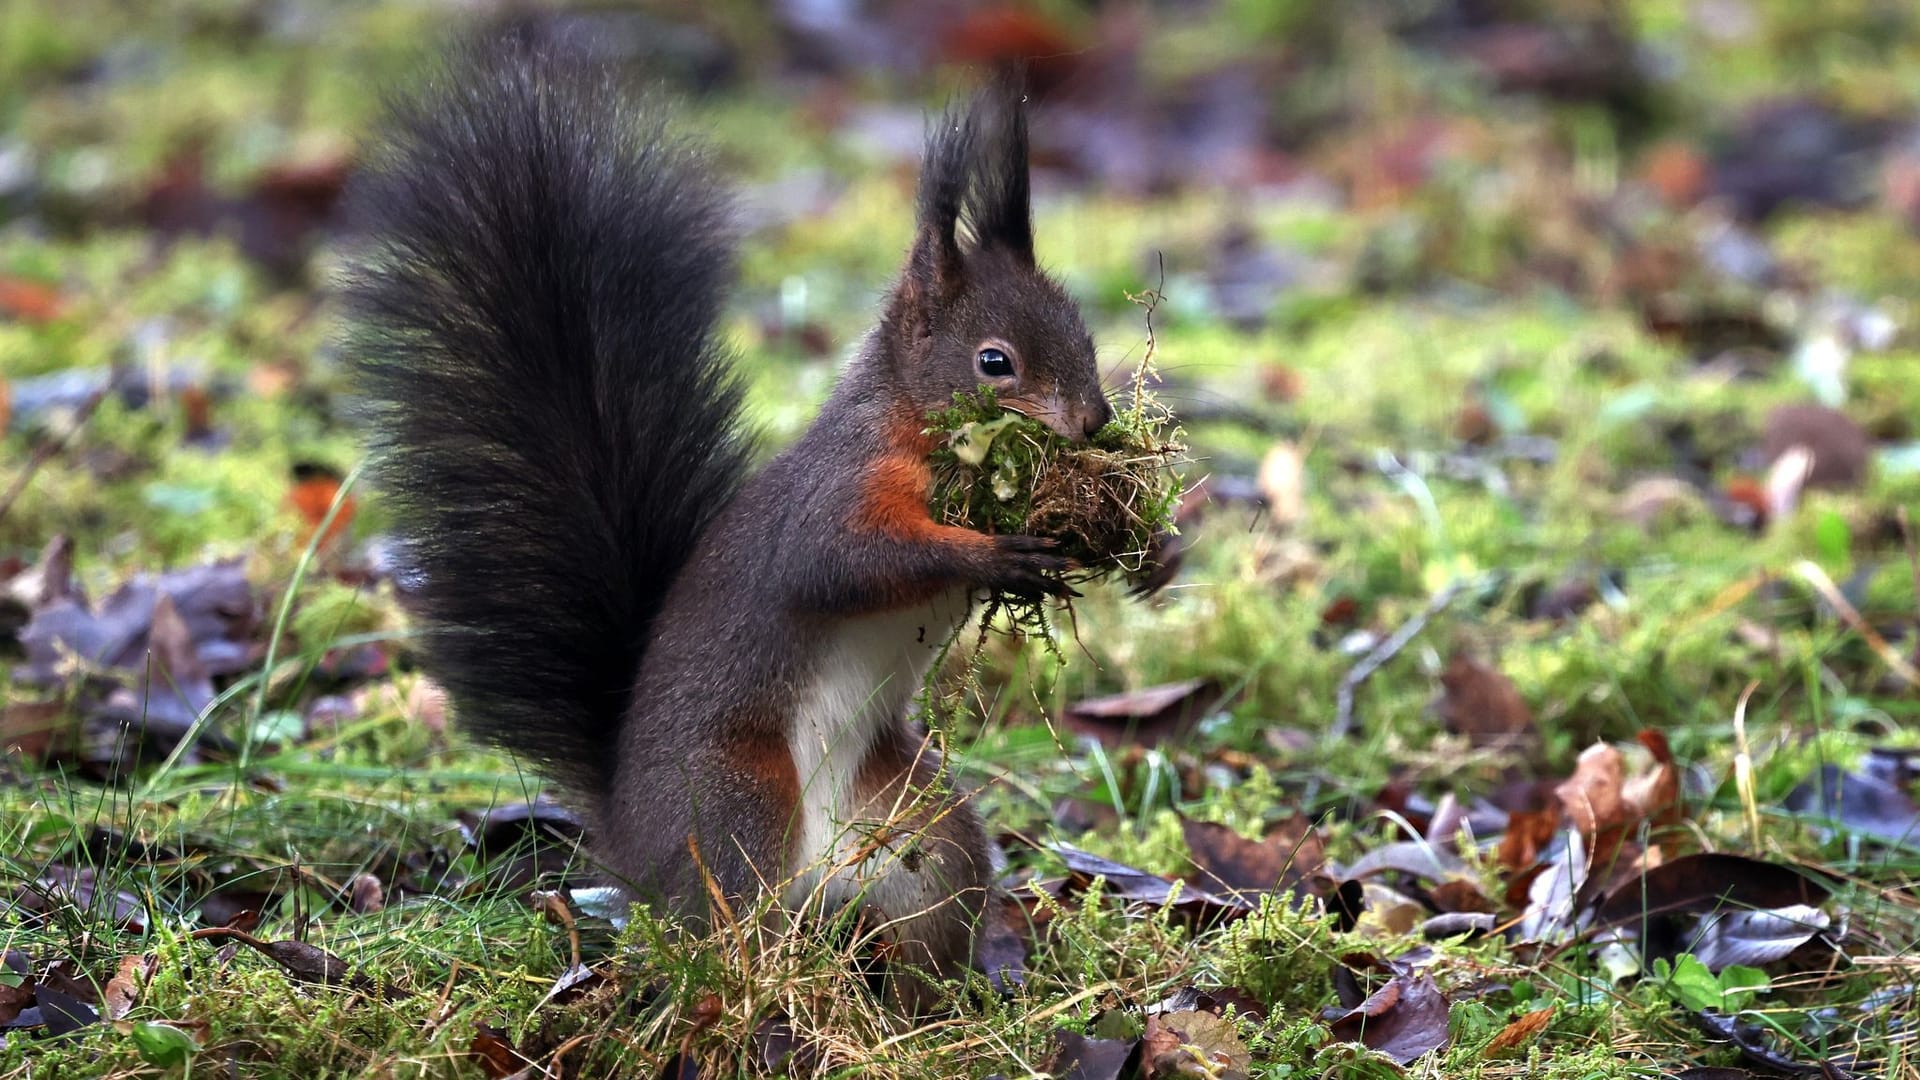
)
(1521, 1031)
(314, 489)
(29, 301)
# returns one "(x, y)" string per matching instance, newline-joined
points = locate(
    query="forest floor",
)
(1537, 695)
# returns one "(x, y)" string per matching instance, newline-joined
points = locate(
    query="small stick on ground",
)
(1383, 652)
(1889, 655)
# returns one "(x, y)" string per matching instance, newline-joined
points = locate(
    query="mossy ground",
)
(1419, 306)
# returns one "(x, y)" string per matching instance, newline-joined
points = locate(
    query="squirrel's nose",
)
(1095, 417)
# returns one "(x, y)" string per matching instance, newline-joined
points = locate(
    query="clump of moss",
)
(1105, 501)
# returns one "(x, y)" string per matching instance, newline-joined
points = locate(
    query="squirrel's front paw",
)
(1029, 567)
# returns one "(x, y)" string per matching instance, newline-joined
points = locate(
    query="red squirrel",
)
(718, 664)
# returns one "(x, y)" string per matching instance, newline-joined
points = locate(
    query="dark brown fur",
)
(602, 588)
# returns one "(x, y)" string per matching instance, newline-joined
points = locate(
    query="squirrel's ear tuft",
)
(975, 175)
(999, 207)
(936, 265)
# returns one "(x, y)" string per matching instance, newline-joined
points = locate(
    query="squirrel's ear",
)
(999, 204)
(936, 264)
(975, 175)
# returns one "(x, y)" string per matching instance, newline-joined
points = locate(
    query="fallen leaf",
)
(1551, 893)
(494, 1052)
(312, 495)
(1405, 1018)
(1708, 881)
(1592, 797)
(1838, 446)
(1755, 938)
(366, 894)
(1414, 858)
(1528, 834)
(1146, 716)
(1225, 861)
(122, 991)
(62, 1013)
(573, 982)
(1215, 1000)
(782, 1051)
(1605, 805)
(1135, 886)
(1483, 704)
(1656, 502)
(14, 999)
(1520, 1032)
(1859, 803)
(1785, 478)
(1194, 1044)
(1677, 171)
(1001, 951)
(1082, 1057)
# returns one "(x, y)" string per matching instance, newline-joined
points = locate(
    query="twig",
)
(1150, 300)
(1385, 651)
(46, 450)
(1830, 592)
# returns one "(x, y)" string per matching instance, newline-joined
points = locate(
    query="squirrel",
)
(716, 663)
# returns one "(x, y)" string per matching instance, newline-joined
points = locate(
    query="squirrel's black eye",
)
(995, 364)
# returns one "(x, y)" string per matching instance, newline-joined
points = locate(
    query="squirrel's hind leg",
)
(926, 877)
(702, 821)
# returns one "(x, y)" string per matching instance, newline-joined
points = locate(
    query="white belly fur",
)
(860, 685)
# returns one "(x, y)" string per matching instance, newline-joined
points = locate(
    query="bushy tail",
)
(554, 422)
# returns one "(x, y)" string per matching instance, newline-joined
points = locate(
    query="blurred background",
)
(1735, 180)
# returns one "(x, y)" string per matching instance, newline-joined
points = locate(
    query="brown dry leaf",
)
(1473, 424)
(1461, 896)
(1528, 834)
(1483, 704)
(1224, 861)
(494, 1053)
(1592, 797)
(1403, 1019)
(1281, 384)
(1839, 446)
(1146, 716)
(13, 1000)
(314, 489)
(1606, 806)
(1678, 172)
(1521, 1031)
(1655, 794)
(122, 991)
(366, 894)
(274, 378)
(1194, 1044)
(27, 728)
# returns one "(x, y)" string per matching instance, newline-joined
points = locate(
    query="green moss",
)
(1104, 502)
